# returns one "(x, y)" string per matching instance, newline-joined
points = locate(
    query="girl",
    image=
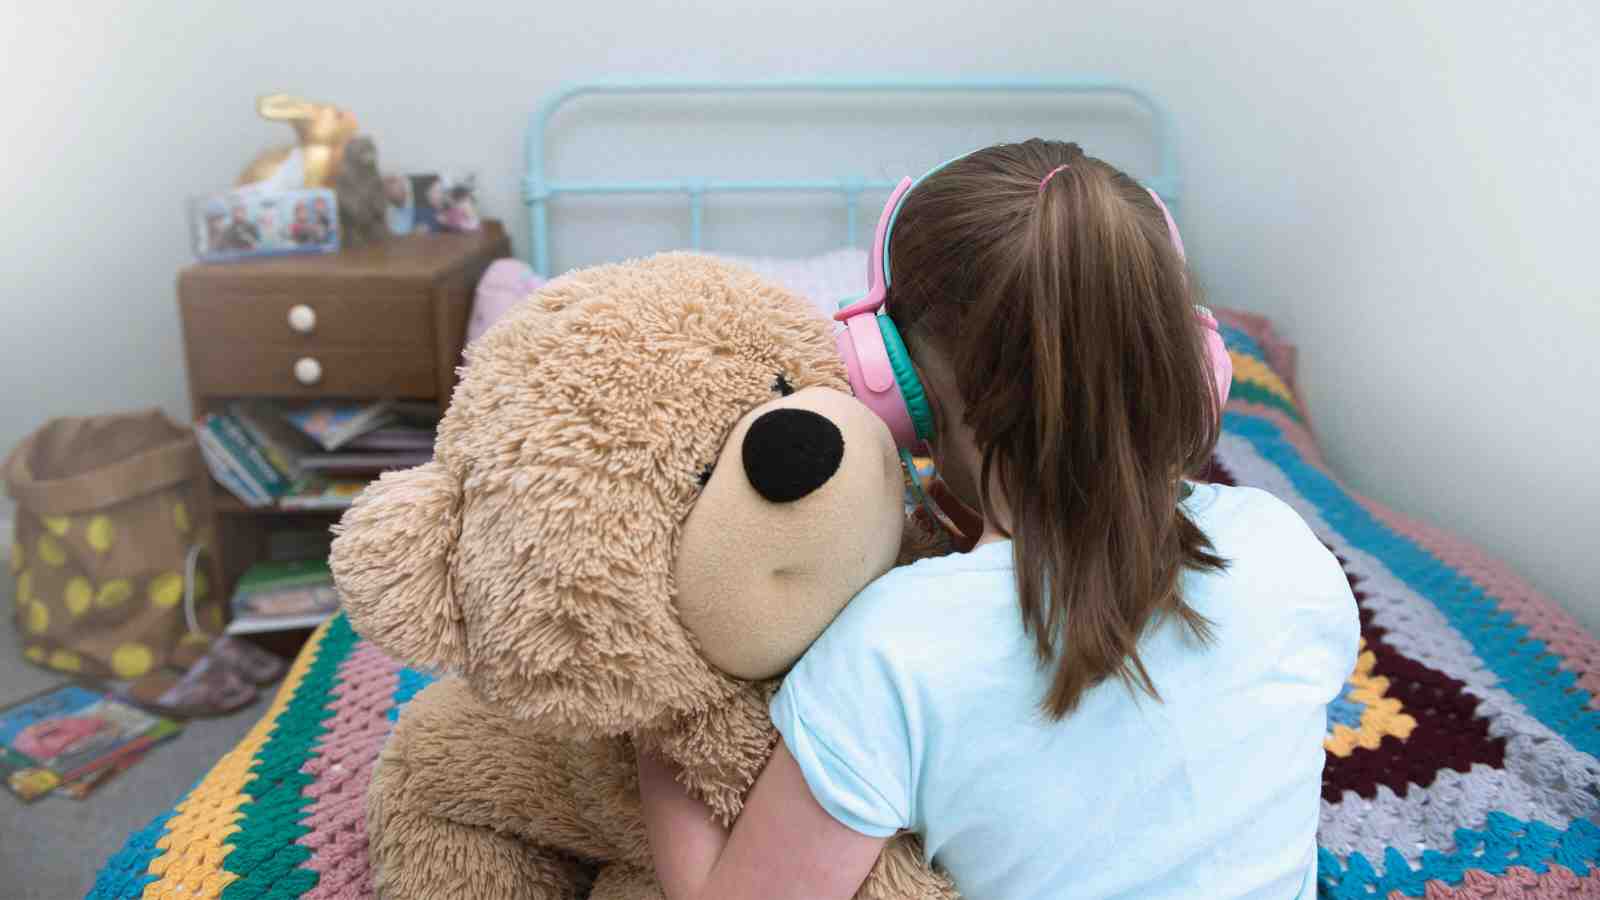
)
(1121, 689)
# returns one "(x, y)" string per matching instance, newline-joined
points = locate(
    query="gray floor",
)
(51, 849)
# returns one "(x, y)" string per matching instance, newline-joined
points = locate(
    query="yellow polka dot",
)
(17, 558)
(79, 593)
(166, 590)
(38, 617)
(58, 525)
(24, 588)
(131, 660)
(51, 551)
(201, 585)
(215, 618)
(35, 653)
(100, 533)
(194, 638)
(66, 661)
(180, 517)
(113, 593)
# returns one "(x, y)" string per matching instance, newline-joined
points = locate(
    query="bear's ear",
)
(391, 559)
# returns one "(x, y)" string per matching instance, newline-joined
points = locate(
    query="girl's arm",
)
(784, 844)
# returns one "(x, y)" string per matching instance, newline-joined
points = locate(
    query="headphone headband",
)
(878, 263)
(1172, 227)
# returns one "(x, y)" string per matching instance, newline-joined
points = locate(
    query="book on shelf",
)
(281, 596)
(69, 733)
(332, 425)
(371, 463)
(393, 437)
(248, 456)
(227, 470)
(281, 443)
(254, 450)
(319, 492)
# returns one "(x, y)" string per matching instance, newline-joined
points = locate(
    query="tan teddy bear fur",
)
(583, 544)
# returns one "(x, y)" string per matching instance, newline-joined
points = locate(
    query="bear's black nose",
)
(788, 453)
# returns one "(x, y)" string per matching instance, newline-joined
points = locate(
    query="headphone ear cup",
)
(905, 375)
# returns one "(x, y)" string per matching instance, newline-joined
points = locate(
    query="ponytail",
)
(1063, 306)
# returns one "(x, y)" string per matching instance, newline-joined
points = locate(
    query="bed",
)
(1463, 756)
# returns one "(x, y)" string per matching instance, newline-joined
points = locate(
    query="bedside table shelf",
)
(384, 322)
(226, 504)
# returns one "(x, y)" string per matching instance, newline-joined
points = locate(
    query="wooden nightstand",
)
(382, 322)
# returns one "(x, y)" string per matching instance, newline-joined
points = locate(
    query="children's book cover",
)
(69, 732)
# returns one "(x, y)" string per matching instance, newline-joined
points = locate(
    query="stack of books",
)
(312, 457)
(282, 595)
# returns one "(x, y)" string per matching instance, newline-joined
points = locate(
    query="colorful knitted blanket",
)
(1463, 755)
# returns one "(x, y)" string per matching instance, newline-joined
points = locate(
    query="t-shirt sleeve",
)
(1323, 636)
(843, 716)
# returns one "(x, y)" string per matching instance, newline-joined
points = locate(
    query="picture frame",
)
(249, 223)
(432, 202)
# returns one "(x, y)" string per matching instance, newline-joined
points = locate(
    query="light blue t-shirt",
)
(919, 709)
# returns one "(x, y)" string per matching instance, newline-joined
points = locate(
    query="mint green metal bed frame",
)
(539, 189)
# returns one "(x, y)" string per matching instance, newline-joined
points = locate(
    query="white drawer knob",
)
(302, 318)
(307, 371)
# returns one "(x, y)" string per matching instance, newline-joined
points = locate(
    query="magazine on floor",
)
(70, 733)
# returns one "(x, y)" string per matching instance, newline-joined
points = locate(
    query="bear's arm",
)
(719, 752)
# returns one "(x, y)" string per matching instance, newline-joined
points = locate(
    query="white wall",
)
(1406, 187)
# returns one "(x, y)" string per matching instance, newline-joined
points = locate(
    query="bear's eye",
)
(705, 474)
(782, 386)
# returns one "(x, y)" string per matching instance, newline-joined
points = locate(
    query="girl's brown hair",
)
(1065, 313)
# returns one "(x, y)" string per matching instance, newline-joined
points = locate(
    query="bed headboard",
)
(540, 188)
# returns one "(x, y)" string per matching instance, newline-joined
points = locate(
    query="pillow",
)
(824, 279)
(504, 284)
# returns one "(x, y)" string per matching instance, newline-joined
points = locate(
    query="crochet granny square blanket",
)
(1463, 756)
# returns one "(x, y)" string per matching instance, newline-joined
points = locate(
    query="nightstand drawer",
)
(246, 314)
(260, 370)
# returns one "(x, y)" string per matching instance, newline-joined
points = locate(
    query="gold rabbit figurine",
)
(324, 131)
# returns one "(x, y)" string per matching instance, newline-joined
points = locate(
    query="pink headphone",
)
(881, 373)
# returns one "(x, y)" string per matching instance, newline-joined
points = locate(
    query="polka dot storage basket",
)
(106, 521)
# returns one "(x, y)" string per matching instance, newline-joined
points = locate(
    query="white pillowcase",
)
(824, 280)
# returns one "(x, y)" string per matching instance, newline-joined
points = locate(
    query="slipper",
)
(252, 663)
(206, 689)
(248, 661)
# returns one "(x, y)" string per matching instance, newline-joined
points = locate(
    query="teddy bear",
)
(651, 492)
